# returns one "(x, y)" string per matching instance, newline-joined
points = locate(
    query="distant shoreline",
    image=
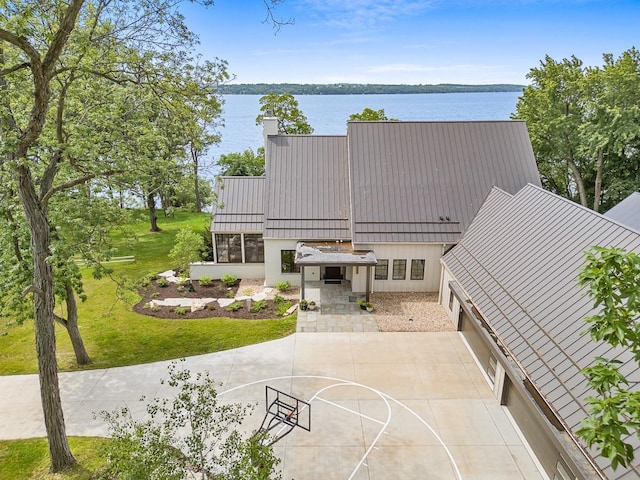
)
(361, 89)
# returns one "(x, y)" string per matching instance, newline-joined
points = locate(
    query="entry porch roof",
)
(332, 253)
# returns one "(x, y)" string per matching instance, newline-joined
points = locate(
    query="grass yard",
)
(115, 336)
(25, 459)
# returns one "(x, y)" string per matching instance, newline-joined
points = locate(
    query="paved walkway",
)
(384, 405)
(337, 311)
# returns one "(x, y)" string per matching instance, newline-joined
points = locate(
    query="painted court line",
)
(386, 398)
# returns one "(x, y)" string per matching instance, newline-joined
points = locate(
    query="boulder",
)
(259, 296)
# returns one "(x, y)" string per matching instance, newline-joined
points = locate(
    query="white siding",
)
(431, 253)
(272, 268)
(447, 298)
(216, 270)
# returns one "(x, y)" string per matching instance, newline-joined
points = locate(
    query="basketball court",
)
(372, 406)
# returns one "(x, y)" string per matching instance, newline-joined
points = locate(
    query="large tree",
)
(584, 124)
(65, 70)
(284, 107)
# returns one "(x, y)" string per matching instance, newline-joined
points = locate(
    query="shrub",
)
(247, 291)
(155, 295)
(205, 281)
(282, 307)
(181, 310)
(188, 248)
(234, 307)
(258, 306)
(229, 279)
(211, 306)
(283, 286)
(277, 299)
(163, 282)
(230, 294)
(181, 288)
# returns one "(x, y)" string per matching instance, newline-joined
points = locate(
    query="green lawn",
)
(115, 336)
(29, 459)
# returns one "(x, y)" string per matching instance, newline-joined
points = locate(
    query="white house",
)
(377, 207)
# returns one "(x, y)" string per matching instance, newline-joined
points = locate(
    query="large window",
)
(253, 248)
(229, 248)
(399, 269)
(417, 269)
(382, 270)
(287, 262)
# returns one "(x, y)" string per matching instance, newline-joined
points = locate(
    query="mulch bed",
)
(217, 289)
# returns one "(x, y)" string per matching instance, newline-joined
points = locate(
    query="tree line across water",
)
(359, 88)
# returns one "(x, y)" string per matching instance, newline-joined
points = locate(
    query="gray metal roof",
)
(332, 253)
(307, 195)
(518, 262)
(425, 181)
(239, 206)
(627, 211)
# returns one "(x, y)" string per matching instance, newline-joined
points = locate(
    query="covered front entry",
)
(334, 261)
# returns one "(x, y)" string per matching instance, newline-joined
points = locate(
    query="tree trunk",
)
(153, 216)
(598, 184)
(43, 299)
(582, 192)
(196, 180)
(82, 357)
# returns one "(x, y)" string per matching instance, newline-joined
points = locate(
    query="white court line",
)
(383, 395)
(349, 410)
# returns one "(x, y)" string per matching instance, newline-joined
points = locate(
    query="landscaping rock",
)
(168, 273)
(290, 310)
(225, 302)
(259, 296)
(242, 298)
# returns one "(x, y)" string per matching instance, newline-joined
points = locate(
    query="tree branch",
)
(15, 68)
(77, 181)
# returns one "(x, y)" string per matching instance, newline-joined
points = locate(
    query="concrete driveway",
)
(383, 405)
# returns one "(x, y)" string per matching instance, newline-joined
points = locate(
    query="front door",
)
(332, 275)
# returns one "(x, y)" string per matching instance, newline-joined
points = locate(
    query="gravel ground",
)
(410, 312)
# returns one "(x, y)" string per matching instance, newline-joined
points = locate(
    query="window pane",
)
(399, 269)
(229, 248)
(287, 263)
(253, 248)
(382, 270)
(417, 269)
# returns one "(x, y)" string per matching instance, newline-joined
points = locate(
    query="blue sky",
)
(410, 41)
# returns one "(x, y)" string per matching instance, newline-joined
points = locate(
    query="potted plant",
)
(304, 304)
(362, 303)
(368, 306)
(312, 305)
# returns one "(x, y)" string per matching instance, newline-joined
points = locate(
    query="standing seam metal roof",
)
(425, 181)
(519, 262)
(239, 206)
(627, 211)
(307, 195)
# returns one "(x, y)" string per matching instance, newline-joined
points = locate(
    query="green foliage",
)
(229, 279)
(291, 120)
(181, 310)
(205, 281)
(278, 299)
(192, 432)
(283, 286)
(282, 306)
(245, 164)
(370, 115)
(117, 336)
(258, 306)
(234, 307)
(188, 248)
(163, 282)
(584, 124)
(612, 276)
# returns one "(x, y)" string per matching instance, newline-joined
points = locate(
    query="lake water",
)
(328, 114)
